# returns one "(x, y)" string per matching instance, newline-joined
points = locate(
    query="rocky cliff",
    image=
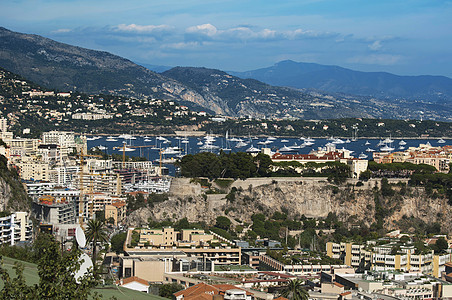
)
(296, 197)
(12, 193)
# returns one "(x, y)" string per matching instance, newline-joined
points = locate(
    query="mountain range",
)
(70, 68)
(341, 80)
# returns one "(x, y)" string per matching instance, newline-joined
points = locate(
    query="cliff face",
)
(12, 193)
(309, 197)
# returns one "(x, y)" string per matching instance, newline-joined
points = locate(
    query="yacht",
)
(209, 147)
(402, 143)
(362, 156)
(241, 144)
(370, 150)
(307, 143)
(171, 151)
(111, 139)
(441, 141)
(388, 141)
(348, 141)
(284, 141)
(338, 141)
(252, 149)
(386, 148)
(367, 143)
(286, 149)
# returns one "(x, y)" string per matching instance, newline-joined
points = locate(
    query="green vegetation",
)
(167, 290)
(295, 291)
(55, 271)
(117, 242)
(243, 165)
(96, 233)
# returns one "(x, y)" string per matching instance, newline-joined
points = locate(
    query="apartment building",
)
(15, 228)
(167, 242)
(34, 170)
(383, 258)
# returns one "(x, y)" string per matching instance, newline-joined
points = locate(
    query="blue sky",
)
(409, 37)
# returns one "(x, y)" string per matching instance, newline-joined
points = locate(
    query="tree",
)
(223, 222)
(167, 290)
(95, 232)
(295, 291)
(441, 245)
(56, 275)
(117, 242)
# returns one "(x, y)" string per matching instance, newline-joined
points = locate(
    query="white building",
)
(15, 228)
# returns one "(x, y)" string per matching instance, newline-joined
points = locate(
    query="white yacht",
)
(362, 156)
(402, 143)
(441, 141)
(252, 149)
(386, 148)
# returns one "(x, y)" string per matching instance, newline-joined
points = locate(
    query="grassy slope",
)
(31, 277)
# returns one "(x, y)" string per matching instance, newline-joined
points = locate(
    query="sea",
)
(174, 147)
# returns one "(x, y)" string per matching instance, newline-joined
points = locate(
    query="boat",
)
(401, 148)
(381, 143)
(386, 148)
(111, 139)
(362, 156)
(209, 147)
(367, 143)
(93, 138)
(252, 149)
(307, 144)
(388, 141)
(338, 141)
(241, 144)
(199, 143)
(284, 141)
(285, 149)
(171, 151)
(147, 140)
(185, 142)
(309, 140)
(441, 141)
(370, 150)
(295, 146)
(128, 149)
(402, 143)
(348, 141)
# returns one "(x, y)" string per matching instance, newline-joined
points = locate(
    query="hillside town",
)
(69, 186)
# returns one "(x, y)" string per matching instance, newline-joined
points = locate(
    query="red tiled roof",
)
(132, 279)
(200, 288)
(345, 293)
(338, 284)
(224, 287)
(275, 274)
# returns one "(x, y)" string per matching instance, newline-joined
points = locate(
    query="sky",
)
(410, 37)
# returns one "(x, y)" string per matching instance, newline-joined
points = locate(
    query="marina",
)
(175, 147)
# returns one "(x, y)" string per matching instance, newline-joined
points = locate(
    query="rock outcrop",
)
(311, 197)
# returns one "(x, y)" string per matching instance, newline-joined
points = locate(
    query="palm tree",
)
(295, 291)
(95, 232)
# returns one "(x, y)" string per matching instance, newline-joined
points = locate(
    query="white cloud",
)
(244, 33)
(142, 28)
(204, 29)
(376, 59)
(62, 30)
(181, 45)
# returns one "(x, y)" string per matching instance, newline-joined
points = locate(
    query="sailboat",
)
(226, 148)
